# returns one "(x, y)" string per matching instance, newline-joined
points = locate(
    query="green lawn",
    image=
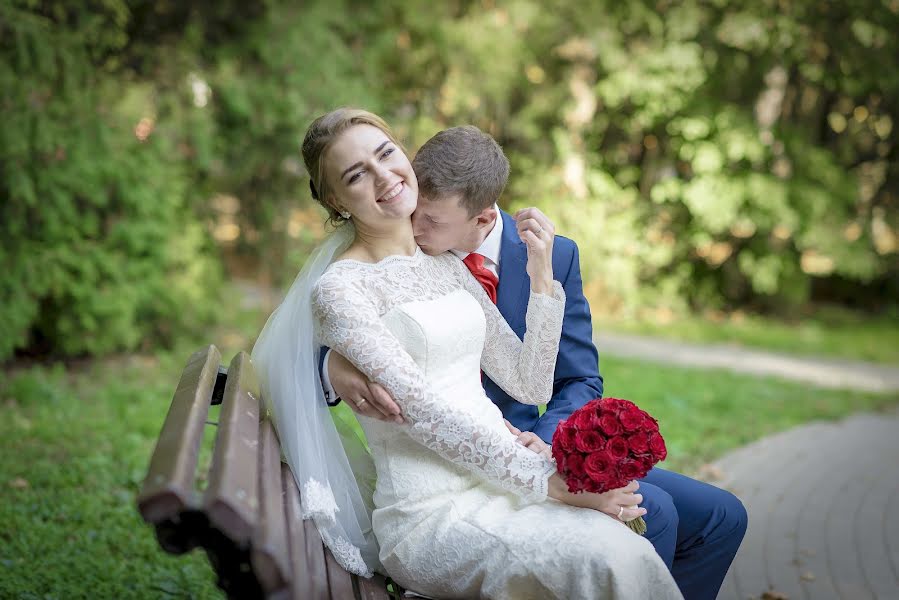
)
(76, 445)
(829, 332)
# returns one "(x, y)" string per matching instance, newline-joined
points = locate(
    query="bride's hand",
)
(537, 231)
(621, 503)
(530, 440)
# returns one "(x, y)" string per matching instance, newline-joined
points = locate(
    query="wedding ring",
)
(620, 510)
(361, 402)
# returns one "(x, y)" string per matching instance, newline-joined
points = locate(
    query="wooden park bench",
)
(248, 517)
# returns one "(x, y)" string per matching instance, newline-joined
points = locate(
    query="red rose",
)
(617, 448)
(617, 481)
(609, 424)
(576, 485)
(589, 441)
(567, 437)
(657, 446)
(649, 424)
(559, 455)
(630, 470)
(631, 419)
(574, 464)
(646, 462)
(638, 442)
(594, 404)
(599, 466)
(618, 405)
(582, 419)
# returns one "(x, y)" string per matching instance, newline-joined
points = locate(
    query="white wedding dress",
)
(461, 509)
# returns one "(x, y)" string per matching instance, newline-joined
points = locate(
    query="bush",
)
(101, 247)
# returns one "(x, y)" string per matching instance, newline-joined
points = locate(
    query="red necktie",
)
(475, 264)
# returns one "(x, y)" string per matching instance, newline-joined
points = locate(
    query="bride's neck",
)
(374, 245)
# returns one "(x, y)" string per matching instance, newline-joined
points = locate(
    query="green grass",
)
(75, 451)
(76, 445)
(829, 332)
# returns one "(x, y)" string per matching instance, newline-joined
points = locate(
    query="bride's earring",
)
(345, 214)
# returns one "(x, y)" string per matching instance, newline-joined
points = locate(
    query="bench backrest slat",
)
(249, 520)
(168, 489)
(231, 500)
(270, 554)
(306, 548)
(341, 581)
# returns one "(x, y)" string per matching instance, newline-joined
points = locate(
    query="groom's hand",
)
(530, 440)
(537, 232)
(364, 397)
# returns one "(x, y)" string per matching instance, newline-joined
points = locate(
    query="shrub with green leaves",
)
(101, 248)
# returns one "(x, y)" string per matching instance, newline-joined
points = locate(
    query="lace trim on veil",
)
(320, 506)
(319, 503)
(349, 556)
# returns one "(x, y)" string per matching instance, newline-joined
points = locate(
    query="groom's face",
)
(443, 224)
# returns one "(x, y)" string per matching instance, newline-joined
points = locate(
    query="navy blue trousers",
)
(695, 527)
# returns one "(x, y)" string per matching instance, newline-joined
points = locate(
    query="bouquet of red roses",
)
(605, 445)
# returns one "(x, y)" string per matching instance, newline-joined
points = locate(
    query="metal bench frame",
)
(248, 517)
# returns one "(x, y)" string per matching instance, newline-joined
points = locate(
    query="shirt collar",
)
(490, 247)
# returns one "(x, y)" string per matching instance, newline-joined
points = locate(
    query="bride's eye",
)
(387, 153)
(354, 177)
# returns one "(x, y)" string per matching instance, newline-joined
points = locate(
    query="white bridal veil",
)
(332, 467)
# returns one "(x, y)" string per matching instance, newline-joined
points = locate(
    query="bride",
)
(448, 503)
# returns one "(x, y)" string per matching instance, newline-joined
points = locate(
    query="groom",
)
(696, 528)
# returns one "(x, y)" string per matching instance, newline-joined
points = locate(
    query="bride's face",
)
(370, 177)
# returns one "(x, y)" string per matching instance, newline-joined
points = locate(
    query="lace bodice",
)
(354, 305)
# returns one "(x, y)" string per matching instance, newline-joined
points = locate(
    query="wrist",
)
(558, 489)
(542, 286)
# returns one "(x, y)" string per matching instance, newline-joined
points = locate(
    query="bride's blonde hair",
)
(321, 133)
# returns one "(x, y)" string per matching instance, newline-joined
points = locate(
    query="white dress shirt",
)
(490, 247)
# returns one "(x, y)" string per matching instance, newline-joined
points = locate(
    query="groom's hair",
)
(462, 161)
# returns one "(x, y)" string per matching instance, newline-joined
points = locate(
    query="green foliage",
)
(704, 154)
(101, 246)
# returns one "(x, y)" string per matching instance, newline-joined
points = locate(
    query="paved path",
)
(823, 504)
(832, 373)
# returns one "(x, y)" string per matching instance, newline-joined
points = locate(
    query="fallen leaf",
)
(807, 576)
(19, 483)
(774, 595)
(711, 472)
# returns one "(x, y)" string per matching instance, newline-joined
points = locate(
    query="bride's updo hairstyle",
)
(323, 131)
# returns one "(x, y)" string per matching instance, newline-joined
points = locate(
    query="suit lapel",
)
(512, 290)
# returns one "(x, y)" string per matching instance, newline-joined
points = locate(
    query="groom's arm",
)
(577, 378)
(331, 396)
(341, 380)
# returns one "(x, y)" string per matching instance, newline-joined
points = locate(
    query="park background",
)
(729, 169)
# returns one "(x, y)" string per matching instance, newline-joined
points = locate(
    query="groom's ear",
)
(486, 217)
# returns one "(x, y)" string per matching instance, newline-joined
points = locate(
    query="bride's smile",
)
(370, 177)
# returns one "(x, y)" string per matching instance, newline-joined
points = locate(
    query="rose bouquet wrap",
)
(606, 444)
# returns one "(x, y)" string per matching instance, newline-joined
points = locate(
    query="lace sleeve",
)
(523, 369)
(349, 323)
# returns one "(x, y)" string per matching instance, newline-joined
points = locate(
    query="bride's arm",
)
(523, 369)
(349, 323)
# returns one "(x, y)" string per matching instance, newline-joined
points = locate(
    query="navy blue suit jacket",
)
(577, 378)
